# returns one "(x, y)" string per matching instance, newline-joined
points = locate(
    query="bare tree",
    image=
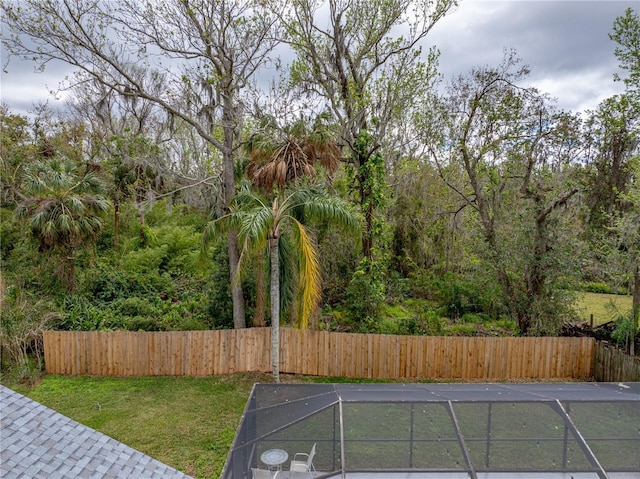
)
(364, 58)
(207, 52)
(143, 151)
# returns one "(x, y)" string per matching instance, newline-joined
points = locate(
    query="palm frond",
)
(332, 209)
(216, 228)
(288, 276)
(256, 224)
(100, 204)
(260, 272)
(33, 184)
(91, 182)
(287, 163)
(38, 220)
(245, 198)
(66, 224)
(75, 204)
(325, 152)
(49, 232)
(309, 280)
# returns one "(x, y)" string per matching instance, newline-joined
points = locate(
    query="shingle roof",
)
(37, 442)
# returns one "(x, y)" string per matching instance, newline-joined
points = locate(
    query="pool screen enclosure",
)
(477, 431)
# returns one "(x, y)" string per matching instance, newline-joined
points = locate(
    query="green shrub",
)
(79, 313)
(107, 285)
(20, 261)
(397, 287)
(622, 331)
(423, 285)
(24, 318)
(460, 329)
(478, 318)
(505, 324)
(592, 287)
(140, 323)
(192, 323)
(428, 324)
(135, 314)
(181, 248)
(386, 326)
(190, 313)
(220, 303)
(549, 313)
(338, 260)
(365, 295)
(145, 260)
(219, 306)
(10, 232)
(134, 306)
(180, 215)
(458, 296)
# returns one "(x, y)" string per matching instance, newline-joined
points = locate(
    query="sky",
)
(565, 43)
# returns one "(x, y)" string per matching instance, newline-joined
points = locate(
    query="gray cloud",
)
(565, 42)
(22, 86)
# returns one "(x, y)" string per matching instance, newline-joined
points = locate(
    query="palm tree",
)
(281, 157)
(63, 206)
(262, 224)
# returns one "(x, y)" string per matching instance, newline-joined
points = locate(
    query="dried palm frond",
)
(293, 157)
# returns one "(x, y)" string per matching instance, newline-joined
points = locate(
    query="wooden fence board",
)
(205, 353)
(612, 365)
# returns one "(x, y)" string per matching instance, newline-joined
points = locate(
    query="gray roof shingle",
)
(38, 442)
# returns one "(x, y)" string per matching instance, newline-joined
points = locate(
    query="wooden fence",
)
(613, 365)
(204, 353)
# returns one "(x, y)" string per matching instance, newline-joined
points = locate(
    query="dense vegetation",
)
(158, 201)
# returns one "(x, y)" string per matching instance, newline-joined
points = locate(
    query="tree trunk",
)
(635, 309)
(367, 234)
(275, 308)
(116, 223)
(68, 270)
(521, 316)
(259, 317)
(236, 286)
(229, 125)
(538, 274)
(364, 185)
(142, 235)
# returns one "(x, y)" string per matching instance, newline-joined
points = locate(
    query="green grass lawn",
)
(187, 423)
(596, 304)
